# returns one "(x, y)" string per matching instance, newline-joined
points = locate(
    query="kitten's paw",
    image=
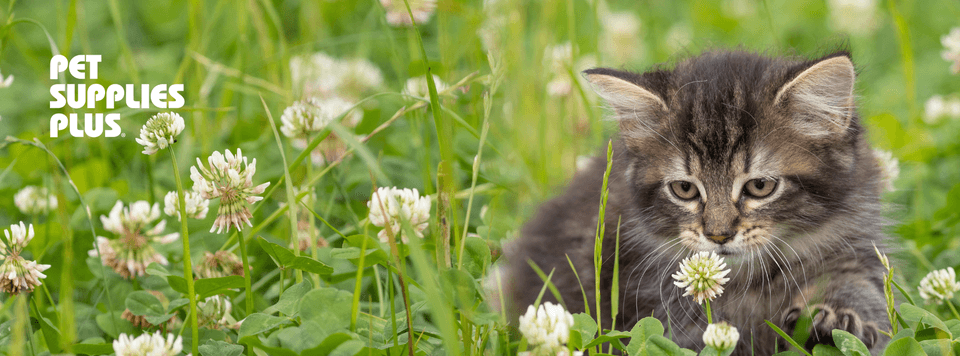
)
(790, 318)
(827, 318)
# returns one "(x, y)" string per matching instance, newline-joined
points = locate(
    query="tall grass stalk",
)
(355, 306)
(598, 239)
(291, 199)
(247, 289)
(187, 263)
(445, 182)
(18, 341)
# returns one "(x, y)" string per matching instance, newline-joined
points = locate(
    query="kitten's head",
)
(731, 151)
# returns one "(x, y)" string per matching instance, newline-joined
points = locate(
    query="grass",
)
(488, 144)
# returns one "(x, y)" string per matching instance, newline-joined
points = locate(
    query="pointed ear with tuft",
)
(640, 112)
(820, 99)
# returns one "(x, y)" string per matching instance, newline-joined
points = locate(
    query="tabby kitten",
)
(761, 160)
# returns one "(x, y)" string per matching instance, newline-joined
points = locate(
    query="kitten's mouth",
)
(723, 251)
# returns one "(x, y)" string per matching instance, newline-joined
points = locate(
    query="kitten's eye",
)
(760, 187)
(684, 190)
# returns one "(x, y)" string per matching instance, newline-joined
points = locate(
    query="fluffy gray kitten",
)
(761, 160)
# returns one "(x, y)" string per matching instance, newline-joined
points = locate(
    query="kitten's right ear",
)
(639, 110)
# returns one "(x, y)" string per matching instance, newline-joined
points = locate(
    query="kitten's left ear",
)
(820, 99)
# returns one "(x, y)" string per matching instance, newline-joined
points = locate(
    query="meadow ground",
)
(503, 125)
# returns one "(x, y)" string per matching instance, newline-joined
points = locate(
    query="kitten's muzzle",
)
(720, 239)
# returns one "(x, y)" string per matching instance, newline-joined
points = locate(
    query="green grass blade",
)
(291, 199)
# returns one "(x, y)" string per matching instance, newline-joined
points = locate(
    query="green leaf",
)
(848, 344)
(253, 341)
(904, 347)
(114, 326)
(373, 256)
(308, 264)
(156, 269)
(788, 338)
(642, 331)
(916, 314)
(290, 300)
(330, 343)
(460, 287)
(328, 307)
(179, 284)
(613, 338)
(50, 332)
(787, 353)
(258, 322)
(280, 255)
(302, 337)
(284, 258)
(220, 348)
(940, 347)
(902, 334)
(142, 303)
(93, 349)
(212, 286)
(583, 330)
(661, 345)
(826, 350)
(932, 334)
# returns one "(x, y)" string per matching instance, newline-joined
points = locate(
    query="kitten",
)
(761, 160)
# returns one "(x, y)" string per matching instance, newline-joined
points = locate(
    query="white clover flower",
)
(938, 107)
(160, 131)
(229, 178)
(197, 206)
(939, 285)
(219, 264)
(856, 17)
(135, 246)
(6, 82)
(148, 345)
(560, 86)
(721, 336)
(16, 273)
(214, 312)
(951, 42)
(889, 168)
(33, 200)
(390, 206)
(306, 117)
(934, 109)
(702, 275)
(397, 14)
(620, 38)
(357, 76)
(322, 76)
(559, 57)
(417, 86)
(547, 326)
(315, 75)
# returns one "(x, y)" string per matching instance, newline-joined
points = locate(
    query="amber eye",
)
(684, 190)
(760, 187)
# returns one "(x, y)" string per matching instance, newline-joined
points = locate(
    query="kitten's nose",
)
(721, 239)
